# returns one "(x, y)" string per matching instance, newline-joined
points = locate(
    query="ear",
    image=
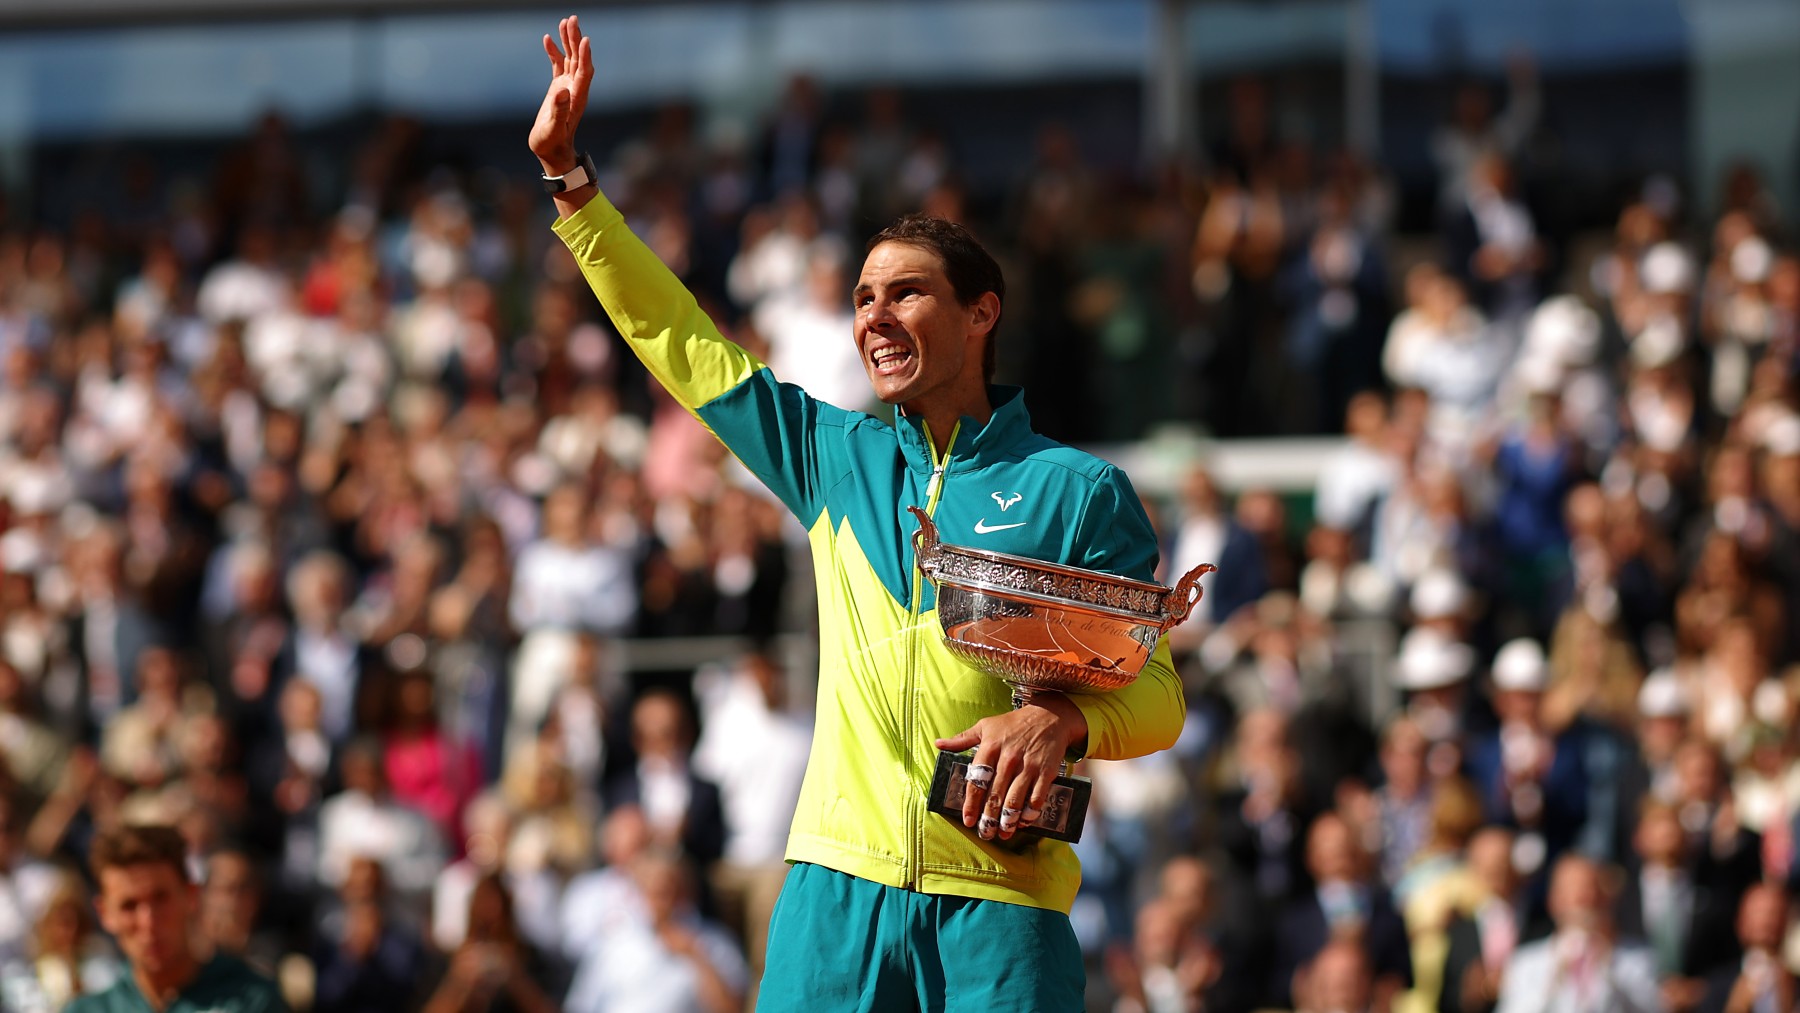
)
(984, 312)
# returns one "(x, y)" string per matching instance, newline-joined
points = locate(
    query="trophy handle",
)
(925, 540)
(1184, 596)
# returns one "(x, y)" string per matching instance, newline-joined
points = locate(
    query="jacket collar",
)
(976, 444)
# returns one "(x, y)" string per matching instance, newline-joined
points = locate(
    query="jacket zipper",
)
(915, 815)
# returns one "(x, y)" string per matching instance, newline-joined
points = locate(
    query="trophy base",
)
(1064, 815)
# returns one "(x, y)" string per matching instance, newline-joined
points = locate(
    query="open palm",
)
(572, 71)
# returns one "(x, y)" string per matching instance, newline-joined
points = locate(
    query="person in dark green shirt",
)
(148, 904)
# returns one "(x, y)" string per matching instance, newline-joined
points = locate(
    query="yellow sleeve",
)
(1141, 718)
(652, 310)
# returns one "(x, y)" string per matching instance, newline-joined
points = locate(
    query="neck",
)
(162, 986)
(941, 420)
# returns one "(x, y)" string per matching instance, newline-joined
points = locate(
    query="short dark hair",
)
(972, 271)
(139, 844)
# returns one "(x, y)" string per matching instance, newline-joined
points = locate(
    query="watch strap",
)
(580, 176)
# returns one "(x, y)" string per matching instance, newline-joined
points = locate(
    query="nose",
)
(878, 315)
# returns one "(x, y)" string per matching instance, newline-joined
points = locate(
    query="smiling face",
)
(921, 347)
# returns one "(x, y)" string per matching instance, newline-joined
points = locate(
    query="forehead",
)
(893, 260)
(120, 882)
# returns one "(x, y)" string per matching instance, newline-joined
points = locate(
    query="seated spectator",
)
(1724, 855)
(31, 883)
(1489, 928)
(536, 892)
(1660, 905)
(494, 969)
(606, 900)
(1760, 980)
(232, 913)
(323, 649)
(366, 960)
(756, 752)
(139, 744)
(672, 961)
(682, 808)
(1345, 902)
(1531, 777)
(1168, 967)
(1337, 980)
(68, 956)
(363, 820)
(428, 769)
(1582, 965)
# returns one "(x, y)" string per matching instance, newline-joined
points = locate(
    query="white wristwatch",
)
(580, 176)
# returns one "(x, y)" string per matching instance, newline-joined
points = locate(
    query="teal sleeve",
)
(787, 438)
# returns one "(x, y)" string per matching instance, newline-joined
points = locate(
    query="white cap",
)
(1562, 328)
(1439, 594)
(1751, 260)
(1781, 437)
(1520, 667)
(1659, 343)
(1667, 269)
(1430, 660)
(1662, 696)
(1537, 373)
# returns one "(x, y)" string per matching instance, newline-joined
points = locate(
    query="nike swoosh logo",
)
(983, 528)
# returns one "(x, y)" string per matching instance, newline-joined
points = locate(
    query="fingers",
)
(960, 741)
(555, 55)
(978, 785)
(571, 36)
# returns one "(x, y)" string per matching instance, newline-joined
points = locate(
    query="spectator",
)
(1660, 905)
(1532, 777)
(567, 581)
(672, 960)
(366, 960)
(1760, 980)
(603, 901)
(365, 821)
(68, 956)
(232, 914)
(1582, 965)
(323, 650)
(1484, 935)
(756, 753)
(1345, 902)
(494, 968)
(1337, 980)
(682, 808)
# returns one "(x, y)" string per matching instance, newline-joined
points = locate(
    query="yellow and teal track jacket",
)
(887, 685)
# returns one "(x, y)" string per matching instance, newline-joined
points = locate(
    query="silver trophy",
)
(1039, 627)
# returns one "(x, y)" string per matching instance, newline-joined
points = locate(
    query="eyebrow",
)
(905, 279)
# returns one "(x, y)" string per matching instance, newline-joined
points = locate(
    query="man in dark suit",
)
(1684, 921)
(106, 631)
(1483, 938)
(1723, 854)
(683, 810)
(1345, 902)
(1531, 777)
(1758, 982)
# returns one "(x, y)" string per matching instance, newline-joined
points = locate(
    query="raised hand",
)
(572, 71)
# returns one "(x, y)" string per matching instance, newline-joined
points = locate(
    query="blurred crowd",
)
(323, 516)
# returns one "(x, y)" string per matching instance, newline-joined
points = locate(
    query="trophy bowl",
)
(1040, 627)
(1046, 626)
